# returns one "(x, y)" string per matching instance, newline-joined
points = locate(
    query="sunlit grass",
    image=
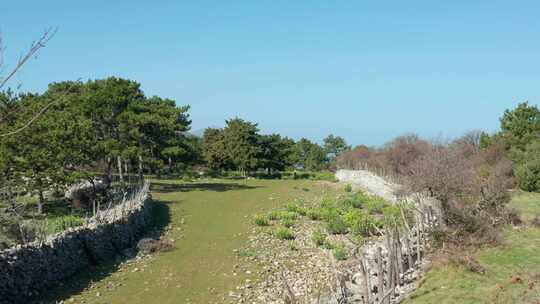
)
(518, 257)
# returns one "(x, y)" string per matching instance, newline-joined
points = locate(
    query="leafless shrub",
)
(402, 151)
(469, 262)
(536, 221)
(149, 246)
(513, 217)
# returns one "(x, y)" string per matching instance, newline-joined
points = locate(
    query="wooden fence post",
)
(367, 290)
(380, 275)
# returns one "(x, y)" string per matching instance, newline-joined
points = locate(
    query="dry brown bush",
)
(470, 182)
(536, 221)
(469, 262)
(149, 246)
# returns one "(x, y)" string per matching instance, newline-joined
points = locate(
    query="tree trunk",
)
(126, 171)
(109, 172)
(41, 201)
(140, 170)
(119, 161)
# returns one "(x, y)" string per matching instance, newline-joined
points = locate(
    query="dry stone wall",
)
(25, 270)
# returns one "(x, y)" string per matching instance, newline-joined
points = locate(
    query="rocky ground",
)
(297, 265)
(301, 268)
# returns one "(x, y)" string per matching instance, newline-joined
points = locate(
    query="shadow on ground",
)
(84, 279)
(218, 187)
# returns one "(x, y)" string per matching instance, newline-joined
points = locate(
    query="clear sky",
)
(365, 70)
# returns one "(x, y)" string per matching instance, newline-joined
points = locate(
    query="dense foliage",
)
(87, 128)
(240, 146)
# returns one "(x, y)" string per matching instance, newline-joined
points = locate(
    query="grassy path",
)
(207, 221)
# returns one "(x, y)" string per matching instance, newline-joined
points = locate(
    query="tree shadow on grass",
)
(218, 187)
(84, 279)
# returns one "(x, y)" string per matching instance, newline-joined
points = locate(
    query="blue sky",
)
(365, 70)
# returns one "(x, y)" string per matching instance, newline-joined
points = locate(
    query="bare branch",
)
(34, 49)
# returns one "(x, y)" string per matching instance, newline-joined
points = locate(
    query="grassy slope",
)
(218, 217)
(520, 255)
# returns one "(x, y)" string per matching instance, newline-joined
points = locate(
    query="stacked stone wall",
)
(25, 270)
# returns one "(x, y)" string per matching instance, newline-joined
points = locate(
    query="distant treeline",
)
(75, 129)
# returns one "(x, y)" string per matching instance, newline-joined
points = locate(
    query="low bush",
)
(361, 223)
(318, 237)
(328, 245)
(348, 188)
(273, 215)
(284, 234)
(314, 214)
(336, 225)
(261, 220)
(354, 201)
(148, 246)
(328, 203)
(528, 175)
(340, 253)
(287, 222)
(536, 221)
(288, 215)
(296, 209)
(468, 262)
(513, 216)
(375, 204)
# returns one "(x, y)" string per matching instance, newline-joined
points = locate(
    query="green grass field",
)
(208, 221)
(518, 257)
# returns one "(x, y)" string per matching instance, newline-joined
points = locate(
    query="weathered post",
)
(367, 290)
(380, 275)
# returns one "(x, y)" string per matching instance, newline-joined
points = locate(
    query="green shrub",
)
(352, 201)
(63, 223)
(340, 253)
(366, 225)
(296, 209)
(375, 204)
(348, 188)
(528, 175)
(288, 215)
(392, 214)
(328, 202)
(318, 237)
(284, 234)
(287, 222)
(273, 215)
(261, 220)
(352, 216)
(357, 200)
(336, 225)
(314, 214)
(328, 245)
